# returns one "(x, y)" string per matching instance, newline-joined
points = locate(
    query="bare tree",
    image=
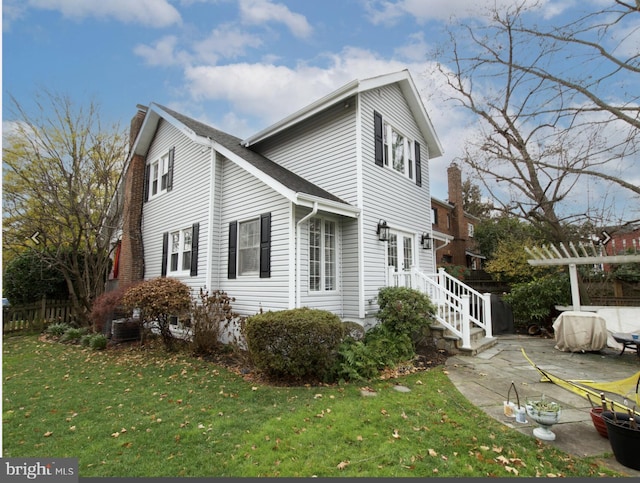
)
(557, 107)
(61, 169)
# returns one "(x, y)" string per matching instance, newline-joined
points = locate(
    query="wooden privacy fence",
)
(35, 316)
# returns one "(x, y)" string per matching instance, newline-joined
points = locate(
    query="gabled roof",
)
(404, 81)
(286, 182)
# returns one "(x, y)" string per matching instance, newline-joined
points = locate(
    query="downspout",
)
(212, 206)
(298, 256)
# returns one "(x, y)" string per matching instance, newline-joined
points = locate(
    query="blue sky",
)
(239, 65)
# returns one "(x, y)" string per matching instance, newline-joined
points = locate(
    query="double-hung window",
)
(181, 248)
(398, 149)
(160, 175)
(395, 150)
(249, 247)
(322, 255)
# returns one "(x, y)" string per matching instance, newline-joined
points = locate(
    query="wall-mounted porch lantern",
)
(425, 240)
(383, 231)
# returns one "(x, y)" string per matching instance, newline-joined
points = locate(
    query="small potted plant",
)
(546, 413)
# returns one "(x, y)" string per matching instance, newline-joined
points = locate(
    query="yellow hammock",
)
(626, 388)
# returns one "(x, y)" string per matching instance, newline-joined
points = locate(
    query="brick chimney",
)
(458, 222)
(132, 250)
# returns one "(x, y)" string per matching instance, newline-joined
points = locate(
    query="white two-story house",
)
(312, 211)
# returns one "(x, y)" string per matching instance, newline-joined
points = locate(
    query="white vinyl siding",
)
(322, 150)
(243, 198)
(187, 203)
(395, 198)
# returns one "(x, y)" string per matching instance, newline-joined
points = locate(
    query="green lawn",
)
(145, 413)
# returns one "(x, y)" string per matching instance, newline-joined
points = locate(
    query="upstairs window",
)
(396, 151)
(159, 175)
(470, 229)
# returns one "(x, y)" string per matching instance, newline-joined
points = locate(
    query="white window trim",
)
(336, 265)
(252, 273)
(409, 151)
(470, 230)
(181, 251)
(162, 164)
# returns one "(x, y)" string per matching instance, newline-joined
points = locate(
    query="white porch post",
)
(575, 290)
(488, 322)
(466, 322)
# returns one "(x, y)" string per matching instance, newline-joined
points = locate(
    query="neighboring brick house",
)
(623, 239)
(453, 229)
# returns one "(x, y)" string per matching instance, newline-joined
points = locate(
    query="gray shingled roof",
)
(264, 164)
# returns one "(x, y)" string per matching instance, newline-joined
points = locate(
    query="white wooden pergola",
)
(574, 255)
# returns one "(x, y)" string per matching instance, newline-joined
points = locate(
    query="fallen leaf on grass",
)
(342, 465)
(510, 469)
(433, 452)
(396, 434)
(48, 433)
(115, 435)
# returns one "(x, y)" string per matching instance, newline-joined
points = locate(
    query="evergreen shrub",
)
(299, 344)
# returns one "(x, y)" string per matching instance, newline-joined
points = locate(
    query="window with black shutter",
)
(265, 245)
(378, 136)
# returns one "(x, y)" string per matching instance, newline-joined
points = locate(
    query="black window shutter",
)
(165, 252)
(172, 153)
(233, 245)
(194, 249)
(379, 141)
(147, 175)
(265, 245)
(418, 165)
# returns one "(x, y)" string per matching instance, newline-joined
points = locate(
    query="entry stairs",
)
(463, 314)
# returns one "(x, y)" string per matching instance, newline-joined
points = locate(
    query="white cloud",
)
(154, 13)
(416, 50)
(389, 11)
(225, 41)
(264, 11)
(162, 53)
(259, 89)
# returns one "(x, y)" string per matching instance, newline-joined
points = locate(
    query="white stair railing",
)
(458, 306)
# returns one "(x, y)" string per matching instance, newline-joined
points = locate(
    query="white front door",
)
(400, 251)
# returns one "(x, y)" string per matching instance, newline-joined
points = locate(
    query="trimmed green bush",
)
(404, 310)
(298, 344)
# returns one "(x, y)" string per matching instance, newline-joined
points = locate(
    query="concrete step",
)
(446, 340)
